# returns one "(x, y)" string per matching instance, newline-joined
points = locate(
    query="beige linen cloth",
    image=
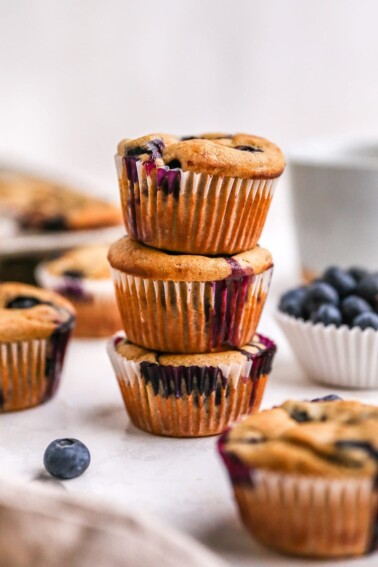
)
(44, 526)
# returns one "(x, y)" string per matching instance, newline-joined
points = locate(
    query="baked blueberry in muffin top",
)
(240, 155)
(333, 438)
(28, 313)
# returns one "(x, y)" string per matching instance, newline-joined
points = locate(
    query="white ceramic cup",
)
(335, 199)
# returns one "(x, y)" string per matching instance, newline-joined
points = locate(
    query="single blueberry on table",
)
(368, 289)
(317, 294)
(66, 458)
(357, 273)
(343, 282)
(366, 321)
(291, 302)
(23, 302)
(328, 398)
(327, 314)
(352, 306)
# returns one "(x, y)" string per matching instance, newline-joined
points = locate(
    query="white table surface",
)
(181, 481)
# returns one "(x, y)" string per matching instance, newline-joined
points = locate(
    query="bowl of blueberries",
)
(332, 327)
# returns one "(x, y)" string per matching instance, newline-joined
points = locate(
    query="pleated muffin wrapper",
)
(191, 317)
(30, 371)
(190, 401)
(193, 213)
(308, 516)
(337, 356)
(94, 300)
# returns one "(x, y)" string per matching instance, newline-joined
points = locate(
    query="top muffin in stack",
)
(199, 195)
(185, 201)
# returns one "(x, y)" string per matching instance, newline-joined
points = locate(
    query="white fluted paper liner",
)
(309, 516)
(23, 381)
(188, 415)
(205, 214)
(337, 356)
(183, 317)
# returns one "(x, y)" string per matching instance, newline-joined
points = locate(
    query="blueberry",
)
(353, 306)
(368, 289)
(357, 273)
(366, 321)
(300, 415)
(56, 223)
(23, 302)
(66, 458)
(317, 294)
(174, 164)
(329, 398)
(291, 302)
(327, 314)
(343, 282)
(74, 274)
(248, 149)
(358, 444)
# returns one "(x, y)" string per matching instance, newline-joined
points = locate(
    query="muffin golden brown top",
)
(136, 353)
(325, 438)
(240, 155)
(45, 205)
(85, 262)
(134, 258)
(27, 312)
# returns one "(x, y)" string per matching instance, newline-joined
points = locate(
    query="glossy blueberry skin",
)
(291, 302)
(327, 314)
(357, 273)
(329, 398)
(368, 289)
(66, 458)
(318, 294)
(23, 302)
(366, 321)
(343, 282)
(353, 306)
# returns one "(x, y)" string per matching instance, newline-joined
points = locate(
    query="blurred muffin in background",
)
(83, 276)
(43, 205)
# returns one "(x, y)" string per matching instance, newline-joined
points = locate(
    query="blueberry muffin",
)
(35, 326)
(83, 276)
(190, 395)
(207, 194)
(188, 304)
(42, 205)
(305, 474)
(332, 327)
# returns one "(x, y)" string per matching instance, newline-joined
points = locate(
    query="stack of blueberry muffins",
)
(191, 281)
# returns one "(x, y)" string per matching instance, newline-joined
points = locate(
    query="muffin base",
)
(191, 317)
(30, 370)
(190, 401)
(193, 213)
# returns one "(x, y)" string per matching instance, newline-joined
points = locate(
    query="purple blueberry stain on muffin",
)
(169, 181)
(252, 149)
